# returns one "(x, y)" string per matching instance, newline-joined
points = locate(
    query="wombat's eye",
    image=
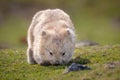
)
(63, 53)
(51, 53)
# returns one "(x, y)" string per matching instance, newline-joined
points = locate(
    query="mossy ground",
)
(13, 65)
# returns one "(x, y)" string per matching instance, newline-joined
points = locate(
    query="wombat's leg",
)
(30, 40)
(30, 58)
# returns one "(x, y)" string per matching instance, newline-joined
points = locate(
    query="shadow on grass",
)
(80, 60)
(77, 60)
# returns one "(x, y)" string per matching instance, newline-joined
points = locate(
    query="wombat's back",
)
(49, 15)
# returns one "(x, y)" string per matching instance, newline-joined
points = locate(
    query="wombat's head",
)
(58, 44)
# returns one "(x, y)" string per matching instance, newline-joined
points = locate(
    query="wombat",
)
(51, 38)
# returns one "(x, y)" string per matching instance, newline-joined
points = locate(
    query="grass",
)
(91, 23)
(13, 65)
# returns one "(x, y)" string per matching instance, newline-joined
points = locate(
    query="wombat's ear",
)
(71, 33)
(43, 33)
(68, 31)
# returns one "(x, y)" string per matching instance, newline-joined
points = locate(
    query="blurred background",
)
(94, 20)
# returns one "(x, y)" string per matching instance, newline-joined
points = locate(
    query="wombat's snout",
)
(47, 63)
(57, 63)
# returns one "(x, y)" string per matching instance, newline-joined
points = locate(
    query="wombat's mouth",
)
(47, 63)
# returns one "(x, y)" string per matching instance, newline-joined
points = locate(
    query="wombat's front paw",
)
(30, 58)
(31, 61)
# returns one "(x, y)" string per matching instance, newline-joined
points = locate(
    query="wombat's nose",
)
(57, 63)
(63, 62)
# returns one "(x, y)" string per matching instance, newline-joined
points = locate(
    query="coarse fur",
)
(51, 38)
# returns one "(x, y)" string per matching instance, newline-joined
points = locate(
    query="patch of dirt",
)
(112, 65)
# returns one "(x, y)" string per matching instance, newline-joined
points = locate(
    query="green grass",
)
(91, 23)
(13, 65)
